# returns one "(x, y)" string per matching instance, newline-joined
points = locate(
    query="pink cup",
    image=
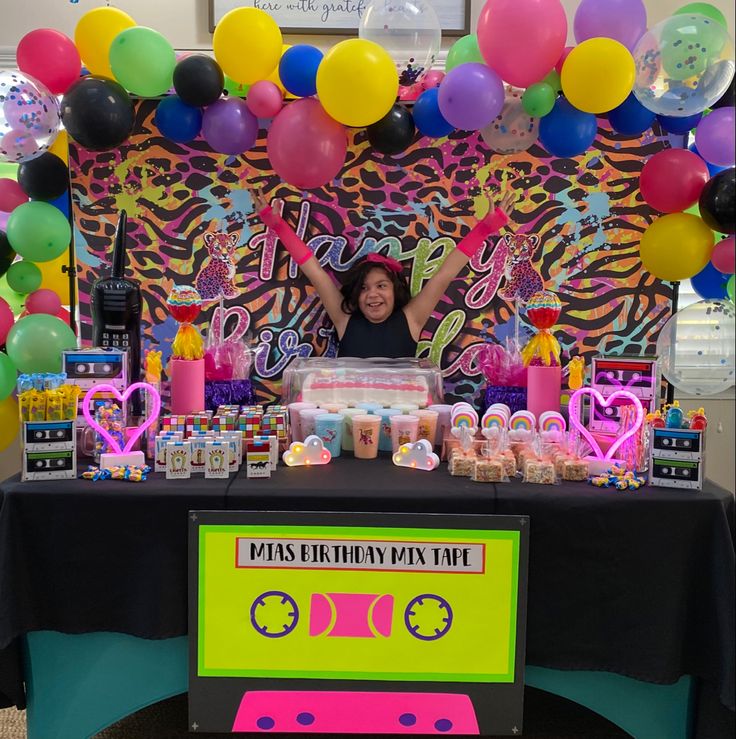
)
(444, 421)
(366, 429)
(427, 428)
(294, 423)
(333, 407)
(404, 429)
(307, 420)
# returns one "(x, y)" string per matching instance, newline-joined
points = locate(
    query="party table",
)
(631, 595)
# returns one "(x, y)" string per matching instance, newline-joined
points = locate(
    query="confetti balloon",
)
(29, 117)
(543, 309)
(514, 130)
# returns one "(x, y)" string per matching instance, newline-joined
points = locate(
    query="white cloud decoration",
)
(418, 456)
(306, 453)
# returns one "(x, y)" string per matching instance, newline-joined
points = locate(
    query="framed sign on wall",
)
(336, 16)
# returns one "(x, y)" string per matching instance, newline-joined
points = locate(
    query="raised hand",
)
(259, 202)
(507, 202)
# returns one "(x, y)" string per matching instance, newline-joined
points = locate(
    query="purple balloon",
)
(471, 96)
(622, 20)
(714, 137)
(4, 220)
(229, 127)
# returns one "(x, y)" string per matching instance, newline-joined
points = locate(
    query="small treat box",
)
(224, 422)
(89, 367)
(217, 459)
(49, 450)
(178, 460)
(273, 444)
(237, 436)
(277, 423)
(234, 444)
(199, 445)
(226, 410)
(198, 422)
(160, 447)
(257, 458)
(677, 458)
(249, 423)
(174, 423)
(251, 409)
(49, 435)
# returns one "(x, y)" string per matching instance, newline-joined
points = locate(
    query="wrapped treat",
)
(462, 464)
(70, 404)
(575, 470)
(541, 472)
(54, 405)
(509, 463)
(488, 470)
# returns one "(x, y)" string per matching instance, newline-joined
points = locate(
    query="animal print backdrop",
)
(576, 231)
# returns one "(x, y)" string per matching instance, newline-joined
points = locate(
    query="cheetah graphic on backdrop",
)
(216, 277)
(522, 278)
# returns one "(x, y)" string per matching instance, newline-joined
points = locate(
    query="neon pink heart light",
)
(149, 421)
(575, 408)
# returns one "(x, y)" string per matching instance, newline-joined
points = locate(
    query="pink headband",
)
(388, 262)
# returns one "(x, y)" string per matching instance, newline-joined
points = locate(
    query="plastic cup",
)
(403, 430)
(384, 439)
(294, 425)
(328, 427)
(365, 435)
(444, 421)
(370, 408)
(347, 426)
(333, 407)
(307, 419)
(427, 428)
(405, 407)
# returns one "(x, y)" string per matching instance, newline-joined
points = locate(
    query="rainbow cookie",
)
(501, 407)
(464, 416)
(494, 417)
(523, 421)
(553, 422)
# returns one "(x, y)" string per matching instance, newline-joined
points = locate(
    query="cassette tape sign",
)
(357, 623)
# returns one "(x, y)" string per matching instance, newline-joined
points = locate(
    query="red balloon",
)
(561, 61)
(671, 181)
(65, 316)
(43, 301)
(724, 256)
(51, 57)
(11, 195)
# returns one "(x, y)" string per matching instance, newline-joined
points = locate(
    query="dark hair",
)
(353, 281)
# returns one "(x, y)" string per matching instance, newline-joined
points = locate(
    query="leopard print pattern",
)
(522, 278)
(216, 276)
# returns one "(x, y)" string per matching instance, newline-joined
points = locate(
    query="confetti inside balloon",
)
(543, 310)
(185, 304)
(513, 130)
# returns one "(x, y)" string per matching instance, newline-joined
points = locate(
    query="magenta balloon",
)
(51, 57)
(264, 99)
(714, 137)
(433, 78)
(522, 40)
(471, 96)
(229, 127)
(306, 147)
(43, 301)
(623, 20)
(724, 256)
(11, 195)
(7, 319)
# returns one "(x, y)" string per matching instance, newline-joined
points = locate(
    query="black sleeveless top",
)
(390, 338)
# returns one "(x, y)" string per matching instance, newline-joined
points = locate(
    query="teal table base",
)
(78, 684)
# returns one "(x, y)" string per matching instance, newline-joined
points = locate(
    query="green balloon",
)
(38, 231)
(8, 376)
(690, 45)
(24, 277)
(730, 287)
(705, 9)
(554, 81)
(235, 88)
(463, 51)
(35, 343)
(7, 255)
(143, 61)
(15, 300)
(538, 100)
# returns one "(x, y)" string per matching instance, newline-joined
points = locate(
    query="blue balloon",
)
(566, 131)
(631, 118)
(427, 117)
(710, 284)
(177, 120)
(673, 124)
(298, 69)
(713, 169)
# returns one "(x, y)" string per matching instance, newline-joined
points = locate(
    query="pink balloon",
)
(306, 147)
(51, 57)
(432, 79)
(43, 301)
(522, 40)
(563, 57)
(4, 220)
(724, 256)
(6, 319)
(672, 180)
(65, 316)
(264, 99)
(411, 92)
(11, 195)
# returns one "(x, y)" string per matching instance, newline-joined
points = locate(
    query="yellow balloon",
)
(357, 82)
(60, 147)
(9, 421)
(274, 76)
(54, 278)
(247, 45)
(94, 34)
(598, 75)
(676, 247)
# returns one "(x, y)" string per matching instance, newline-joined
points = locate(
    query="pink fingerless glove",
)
(298, 250)
(481, 231)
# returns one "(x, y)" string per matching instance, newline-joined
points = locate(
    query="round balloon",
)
(298, 69)
(198, 80)
(427, 116)
(713, 169)
(274, 76)
(409, 31)
(94, 35)
(44, 178)
(143, 61)
(672, 180)
(97, 113)
(522, 39)
(9, 421)
(38, 232)
(683, 65)
(7, 255)
(357, 82)
(718, 202)
(15, 300)
(706, 9)
(539, 99)
(6, 319)
(433, 78)
(306, 147)
(710, 283)
(55, 277)
(177, 120)
(236, 89)
(264, 99)
(11, 195)
(676, 246)
(567, 131)
(631, 118)
(247, 44)
(29, 117)
(696, 348)
(50, 57)
(681, 125)
(23, 277)
(622, 20)
(35, 343)
(714, 137)
(463, 51)
(513, 130)
(43, 301)
(728, 99)
(394, 132)
(229, 127)
(731, 287)
(471, 96)
(591, 62)
(724, 256)
(8, 376)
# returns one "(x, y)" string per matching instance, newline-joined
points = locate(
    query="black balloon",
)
(44, 178)
(97, 113)
(7, 255)
(718, 202)
(728, 99)
(394, 132)
(198, 80)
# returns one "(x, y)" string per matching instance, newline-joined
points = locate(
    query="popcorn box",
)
(178, 460)
(217, 459)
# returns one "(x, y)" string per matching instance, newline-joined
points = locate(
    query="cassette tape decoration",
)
(677, 458)
(89, 367)
(49, 451)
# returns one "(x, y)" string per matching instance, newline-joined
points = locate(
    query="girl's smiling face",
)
(376, 301)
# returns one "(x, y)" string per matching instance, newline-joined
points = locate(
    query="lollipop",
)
(543, 310)
(185, 305)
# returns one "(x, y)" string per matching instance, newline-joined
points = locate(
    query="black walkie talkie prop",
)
(116, 307)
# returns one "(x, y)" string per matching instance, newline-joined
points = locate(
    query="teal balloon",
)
(35, 343)
(24, 277)
(8, 376)
(38, 232)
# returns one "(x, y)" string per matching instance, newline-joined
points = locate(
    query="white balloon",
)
(514, 130)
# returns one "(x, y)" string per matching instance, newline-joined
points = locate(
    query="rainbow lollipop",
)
(543, 310)
(552, 425)
(464, 415)
(185, 305)
(523, 421)
(493, 417)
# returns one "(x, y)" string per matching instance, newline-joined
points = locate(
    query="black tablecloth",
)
(640, 584)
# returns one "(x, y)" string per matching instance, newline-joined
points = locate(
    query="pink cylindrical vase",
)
(544, 387)
(187, 386)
